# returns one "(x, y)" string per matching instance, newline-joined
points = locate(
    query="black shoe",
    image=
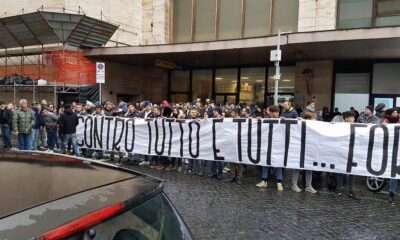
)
(232, 180)
(214, 176)
(338, 193)
(219, 176)
(391, 200)
(353, 196)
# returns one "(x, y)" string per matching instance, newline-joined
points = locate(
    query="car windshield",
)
(153, 219)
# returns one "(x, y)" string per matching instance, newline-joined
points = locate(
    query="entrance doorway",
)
(222, 99)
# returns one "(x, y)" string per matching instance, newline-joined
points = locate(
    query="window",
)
(230, 19)
(179, 97)
(153, 219)
(388, 13)
(226, 80)
(285, 16)
(252, 85)
(386, 78)
(286, 84)
(257, 18)
(179, 81)
(205, 20)
(361, 13)
(202, 84)
(182, 21)
(355, 13)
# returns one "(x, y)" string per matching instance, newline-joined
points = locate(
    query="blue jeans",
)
(51, 137)
(392, 186)
(265, 173)
(217, 167)
(24, 141)
(6, 135)
(70, 138)
(35, 138)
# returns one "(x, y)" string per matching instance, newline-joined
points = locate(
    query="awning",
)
(41, 28)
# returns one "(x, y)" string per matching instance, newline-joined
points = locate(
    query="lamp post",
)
(276, 57)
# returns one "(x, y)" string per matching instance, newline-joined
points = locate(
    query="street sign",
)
(276, 55)
(100, 72)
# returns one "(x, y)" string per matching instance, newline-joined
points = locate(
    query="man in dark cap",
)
(380, 111)
(368, 116)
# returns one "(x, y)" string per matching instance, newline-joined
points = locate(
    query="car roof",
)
(31, 179)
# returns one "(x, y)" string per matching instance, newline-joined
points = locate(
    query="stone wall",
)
(155, 21)
(317, 15)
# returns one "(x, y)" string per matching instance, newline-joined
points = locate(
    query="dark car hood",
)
(29, 179)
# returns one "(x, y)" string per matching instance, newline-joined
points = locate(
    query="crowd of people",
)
(46, 127)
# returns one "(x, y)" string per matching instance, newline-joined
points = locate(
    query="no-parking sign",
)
(100, 72)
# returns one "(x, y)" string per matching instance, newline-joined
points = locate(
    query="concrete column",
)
(155, 21)
(320, 84)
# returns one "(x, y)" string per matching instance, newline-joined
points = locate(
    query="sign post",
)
(100, 76)
(276, 57)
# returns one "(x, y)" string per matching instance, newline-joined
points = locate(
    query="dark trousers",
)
(51, 137)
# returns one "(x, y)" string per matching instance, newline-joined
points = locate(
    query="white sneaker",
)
(279, 186)
(144, 163)
(226, 169)
(262, 184)
(296, 188)
(310, 190)
(49, 151)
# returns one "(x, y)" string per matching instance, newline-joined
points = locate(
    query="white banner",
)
(358, 149)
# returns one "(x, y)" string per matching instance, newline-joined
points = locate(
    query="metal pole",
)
(277, 75)
(100, 92)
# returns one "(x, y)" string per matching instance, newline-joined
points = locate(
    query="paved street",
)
(216, 209)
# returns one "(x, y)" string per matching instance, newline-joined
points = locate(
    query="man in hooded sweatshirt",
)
(68, 122)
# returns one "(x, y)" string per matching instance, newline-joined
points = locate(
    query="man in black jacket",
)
(68, 122)
(6, 118)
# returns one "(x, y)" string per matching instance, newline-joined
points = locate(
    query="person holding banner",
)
(349, 118)
(236, 168)
(273, 113)
(295, 173)
(391, 116)
(217, 167)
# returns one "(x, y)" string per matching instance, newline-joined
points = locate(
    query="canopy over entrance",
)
(42, 28)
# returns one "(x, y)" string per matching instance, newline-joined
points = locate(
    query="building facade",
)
(340, 53)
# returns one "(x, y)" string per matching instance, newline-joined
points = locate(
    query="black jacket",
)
(6, 117)
(68, 122)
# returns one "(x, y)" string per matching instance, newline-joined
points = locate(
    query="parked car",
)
(53, 196)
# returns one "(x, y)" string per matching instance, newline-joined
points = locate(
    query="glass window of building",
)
(182, 21)
(230, 19)
(388, 13)
(226, 80)
(179, 81)
(355, 13)
(179, 98)
(202, 84)
(205, 20)
(286, 84)
(257, 18)
(285, 16)
(252, 85)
